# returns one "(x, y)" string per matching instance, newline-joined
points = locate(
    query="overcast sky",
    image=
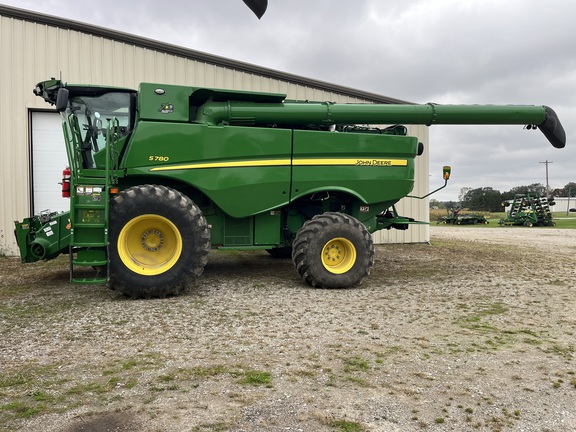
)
(442, 51)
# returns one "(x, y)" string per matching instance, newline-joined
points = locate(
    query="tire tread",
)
(309, 233)
(127, 205)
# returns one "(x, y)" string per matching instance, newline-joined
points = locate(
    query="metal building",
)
(35, 47)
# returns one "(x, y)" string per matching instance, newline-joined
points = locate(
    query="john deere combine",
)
(529, 210)
(160, 175)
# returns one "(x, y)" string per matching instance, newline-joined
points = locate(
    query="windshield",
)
(88, 117)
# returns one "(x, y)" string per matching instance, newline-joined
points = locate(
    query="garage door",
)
(48, 161)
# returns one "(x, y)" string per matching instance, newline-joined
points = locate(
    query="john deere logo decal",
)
(166, 108)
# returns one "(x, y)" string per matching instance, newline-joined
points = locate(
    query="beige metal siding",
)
(13, 127)
(412, 207)
(32, 52)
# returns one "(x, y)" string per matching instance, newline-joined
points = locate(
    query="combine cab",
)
(529, 210)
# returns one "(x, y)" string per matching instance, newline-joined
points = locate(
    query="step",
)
(90, 256)
(90, 206)
(89, 225)
(90, 263)
(89, 244)
(89, 281)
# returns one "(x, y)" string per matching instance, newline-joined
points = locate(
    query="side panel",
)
(263, 229)
(376, 168)
(267, 228)
(164, 102)
(245, 171)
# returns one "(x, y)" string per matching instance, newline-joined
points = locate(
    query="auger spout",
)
(293, 113)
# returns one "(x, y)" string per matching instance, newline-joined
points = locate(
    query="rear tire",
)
(159, 242)
(333, 250)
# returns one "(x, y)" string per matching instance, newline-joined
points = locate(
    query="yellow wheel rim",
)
(338, 255)
(149, 244)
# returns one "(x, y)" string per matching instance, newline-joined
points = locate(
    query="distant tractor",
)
(454, 217)
(529, 210)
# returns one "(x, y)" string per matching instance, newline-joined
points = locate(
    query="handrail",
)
(113, 125)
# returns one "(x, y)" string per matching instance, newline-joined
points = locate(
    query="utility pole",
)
(547, 184)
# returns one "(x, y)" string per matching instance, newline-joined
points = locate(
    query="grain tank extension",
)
(162, 174)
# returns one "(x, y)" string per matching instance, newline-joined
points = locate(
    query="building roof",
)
(180, 51)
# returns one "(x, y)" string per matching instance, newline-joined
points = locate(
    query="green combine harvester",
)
(159, 176)
(529, 210)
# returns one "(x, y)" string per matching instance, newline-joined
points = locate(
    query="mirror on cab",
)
(62, 99)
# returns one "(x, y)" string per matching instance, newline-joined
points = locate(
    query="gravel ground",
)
(473, 332)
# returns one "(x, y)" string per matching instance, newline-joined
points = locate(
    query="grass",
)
(212, 427)
(560, 219)
(355, 364)
(30, 391)
(564, 222)
(477, 319)
(346, 426)
(256, 378)
(565, 351)
(22, 410)
(35, 390)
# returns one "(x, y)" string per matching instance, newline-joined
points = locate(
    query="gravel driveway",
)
(473, 332)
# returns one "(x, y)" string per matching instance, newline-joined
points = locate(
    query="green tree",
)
(463, 192)
(569, 188)
(534, 188)
(482, 199)
(434, 203)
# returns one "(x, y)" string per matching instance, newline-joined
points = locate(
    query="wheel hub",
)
(338, 255)
(152, 240)
(149, 244)
(333, 253)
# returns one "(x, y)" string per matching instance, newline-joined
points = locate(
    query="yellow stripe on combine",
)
(286, 162)
(237, 164)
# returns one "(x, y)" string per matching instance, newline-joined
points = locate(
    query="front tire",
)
(159, 242)
(333, 250)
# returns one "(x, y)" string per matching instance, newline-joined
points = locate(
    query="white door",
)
(48, 160)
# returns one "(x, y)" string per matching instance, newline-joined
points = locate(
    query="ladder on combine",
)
(89, 241)
(89, 212)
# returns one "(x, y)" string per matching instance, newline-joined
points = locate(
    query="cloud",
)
(444, 51)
